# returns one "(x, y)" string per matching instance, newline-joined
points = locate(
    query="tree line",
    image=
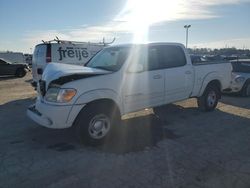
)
(222, 51)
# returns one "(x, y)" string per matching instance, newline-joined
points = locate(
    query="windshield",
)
(110, 59)
(5, 61)
(241, 66)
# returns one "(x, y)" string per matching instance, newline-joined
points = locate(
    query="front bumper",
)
(53, 116)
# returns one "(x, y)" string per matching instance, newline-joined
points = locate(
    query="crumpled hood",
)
(55, 71)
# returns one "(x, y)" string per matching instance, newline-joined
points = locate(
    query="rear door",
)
(39, 61)
(178, 73)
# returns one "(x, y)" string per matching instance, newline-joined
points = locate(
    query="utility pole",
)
(187, 27)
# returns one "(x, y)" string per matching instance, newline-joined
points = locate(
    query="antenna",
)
(105, 44)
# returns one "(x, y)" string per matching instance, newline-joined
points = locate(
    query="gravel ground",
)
(186, 148)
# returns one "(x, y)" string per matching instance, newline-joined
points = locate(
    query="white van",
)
(68, 52)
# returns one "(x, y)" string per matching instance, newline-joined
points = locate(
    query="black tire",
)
(245, 92)
(95, 123)
(20, 73)
(209, 100)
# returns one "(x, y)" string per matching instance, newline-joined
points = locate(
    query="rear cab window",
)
(241, 66)
(164, 57)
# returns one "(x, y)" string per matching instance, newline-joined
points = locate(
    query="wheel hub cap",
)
(99, 126)
(211, 99)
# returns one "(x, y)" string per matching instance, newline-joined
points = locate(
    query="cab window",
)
(165, 56)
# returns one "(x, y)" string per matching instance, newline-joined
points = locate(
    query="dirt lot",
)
(187, 148)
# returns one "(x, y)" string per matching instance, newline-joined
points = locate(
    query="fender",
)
(97, 94)
(208, 78)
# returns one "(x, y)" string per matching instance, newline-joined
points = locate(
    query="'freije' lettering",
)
(70, 52)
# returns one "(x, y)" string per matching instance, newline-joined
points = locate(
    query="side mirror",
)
(135, 68)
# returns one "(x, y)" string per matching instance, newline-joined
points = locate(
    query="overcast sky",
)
(214, 23)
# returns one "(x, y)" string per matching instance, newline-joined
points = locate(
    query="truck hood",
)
(63, 73)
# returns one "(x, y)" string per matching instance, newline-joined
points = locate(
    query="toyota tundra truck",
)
(123, 79)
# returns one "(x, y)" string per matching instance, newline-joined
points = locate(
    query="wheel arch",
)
(211, 79)
(99, 95)
(103, 101)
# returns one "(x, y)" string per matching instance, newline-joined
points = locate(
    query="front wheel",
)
(209, 100)
(95, 123)
(20, 73)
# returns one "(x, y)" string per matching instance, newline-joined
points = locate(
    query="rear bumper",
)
(53, 116)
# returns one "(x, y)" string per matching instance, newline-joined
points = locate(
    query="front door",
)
(178, 73)
(145, 88)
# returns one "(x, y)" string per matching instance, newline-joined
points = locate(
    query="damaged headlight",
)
(59, 95)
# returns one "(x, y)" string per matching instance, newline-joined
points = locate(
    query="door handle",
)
(188, 72)
(158, 76)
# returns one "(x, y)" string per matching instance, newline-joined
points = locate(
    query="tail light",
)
(48, 53)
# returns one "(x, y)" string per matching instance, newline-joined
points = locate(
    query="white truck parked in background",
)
(123, 79)
(13, 57)
(240, 77)
(58, 51)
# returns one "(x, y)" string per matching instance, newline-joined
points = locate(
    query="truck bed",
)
(219, 70)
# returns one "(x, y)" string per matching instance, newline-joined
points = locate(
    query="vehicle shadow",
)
(139, 133)
(8, 77)
(29, 80)
(236, 100)
(134, 134)
(13, 77)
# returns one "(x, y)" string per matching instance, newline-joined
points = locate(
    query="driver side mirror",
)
(135, 68)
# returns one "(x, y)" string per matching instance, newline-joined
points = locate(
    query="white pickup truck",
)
(123, 79)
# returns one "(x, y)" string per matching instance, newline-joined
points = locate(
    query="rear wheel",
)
(95, 123)
(209, 100)
(20, 73)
